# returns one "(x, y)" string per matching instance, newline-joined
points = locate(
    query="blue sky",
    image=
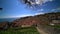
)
(14, 8)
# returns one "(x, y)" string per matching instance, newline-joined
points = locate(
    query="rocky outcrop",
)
(4, 25)
(25, 21)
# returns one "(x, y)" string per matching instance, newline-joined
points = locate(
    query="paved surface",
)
(41, 31)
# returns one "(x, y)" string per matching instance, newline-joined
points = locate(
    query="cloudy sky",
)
(14, 8)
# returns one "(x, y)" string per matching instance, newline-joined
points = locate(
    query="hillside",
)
(43, 19)
(43, 23)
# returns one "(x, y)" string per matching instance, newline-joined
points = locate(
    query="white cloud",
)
(16, 16)
(39, 13)
(44, 1)
(40, 1)
(53, 9)
(20, 15)
(41, 9)
(56, 9)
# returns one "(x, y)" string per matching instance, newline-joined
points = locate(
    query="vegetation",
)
(24, 30)
(55, 26)
(43, 19)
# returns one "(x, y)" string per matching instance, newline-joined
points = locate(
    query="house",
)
(55, 22)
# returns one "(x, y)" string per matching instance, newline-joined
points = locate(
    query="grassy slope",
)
(27, 30)
(56, 26)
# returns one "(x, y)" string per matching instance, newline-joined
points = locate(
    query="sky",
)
(14, 8)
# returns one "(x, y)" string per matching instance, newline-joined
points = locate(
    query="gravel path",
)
(41, 31)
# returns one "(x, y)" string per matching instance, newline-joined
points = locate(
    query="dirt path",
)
(41, 31)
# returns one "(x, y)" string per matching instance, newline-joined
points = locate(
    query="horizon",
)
(14, 9)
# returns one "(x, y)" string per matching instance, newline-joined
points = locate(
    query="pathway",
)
(41, 31)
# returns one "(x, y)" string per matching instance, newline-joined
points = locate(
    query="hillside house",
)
(55, 22)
